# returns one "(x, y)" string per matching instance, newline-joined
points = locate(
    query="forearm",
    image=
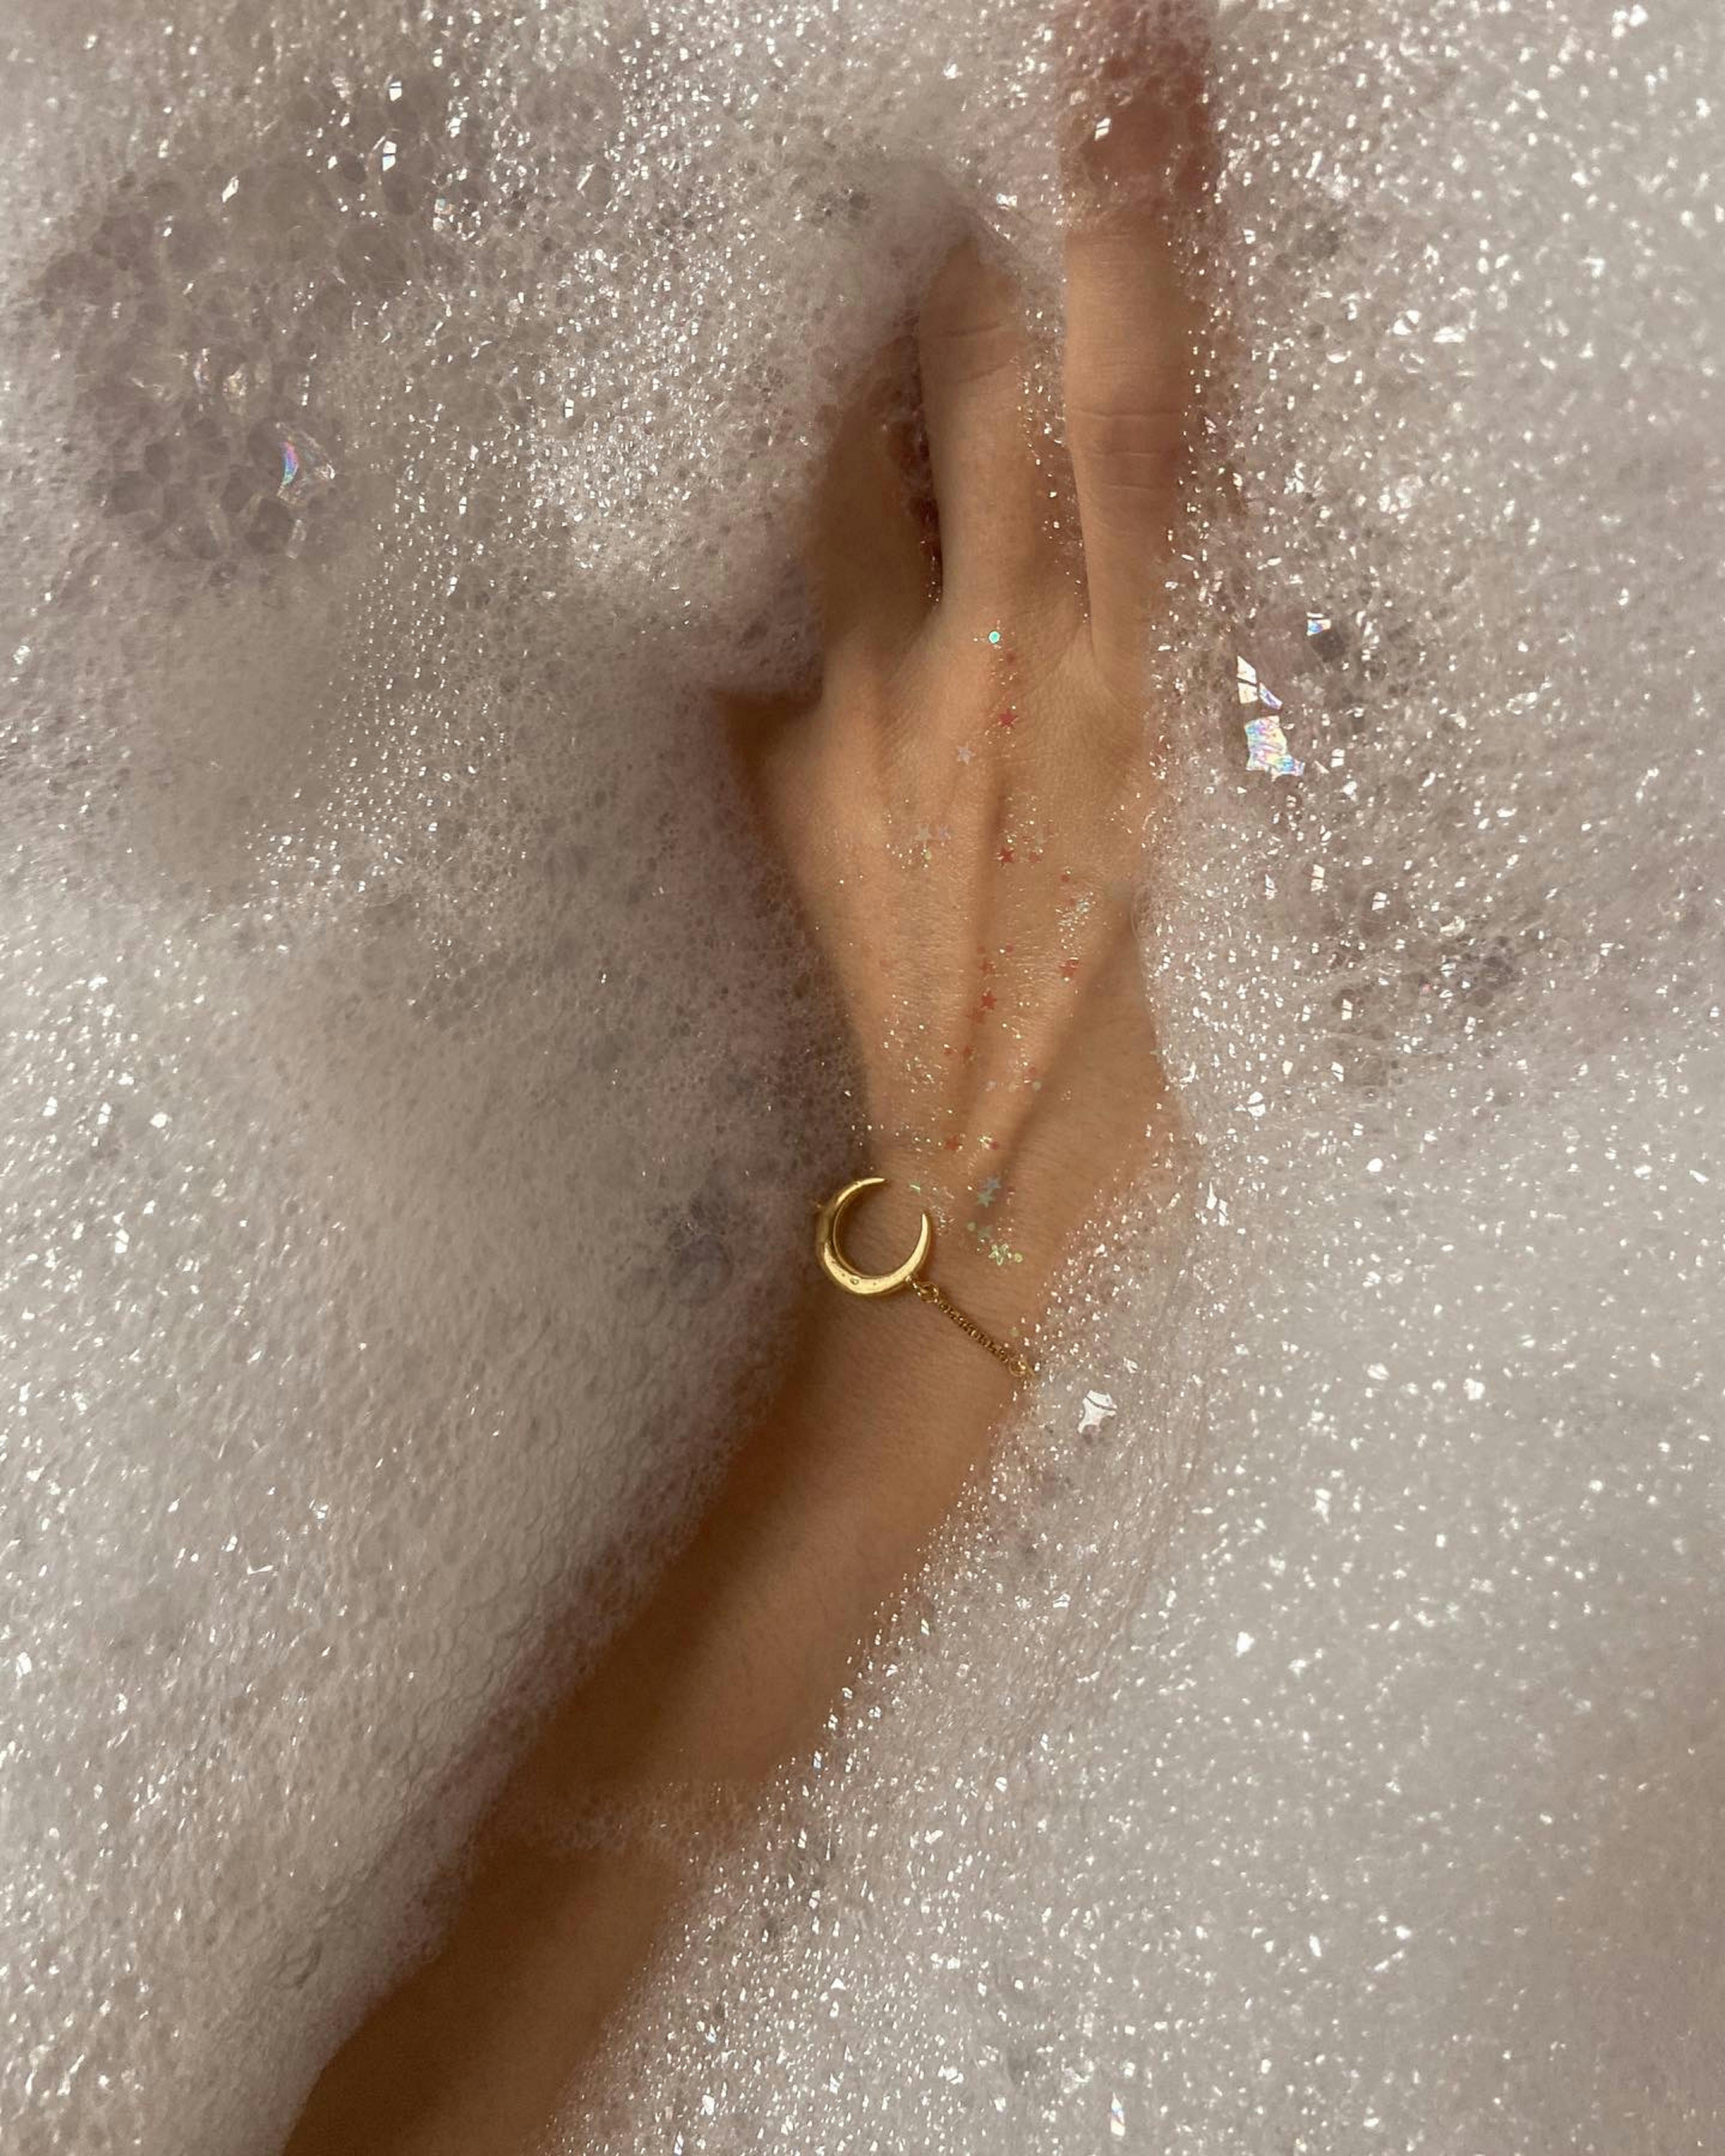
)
(885, 1412)
(728, 1669)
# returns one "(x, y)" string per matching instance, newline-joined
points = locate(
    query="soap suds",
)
(413, 1089)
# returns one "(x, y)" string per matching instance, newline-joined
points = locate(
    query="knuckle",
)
(1131, 449)
(960, 354)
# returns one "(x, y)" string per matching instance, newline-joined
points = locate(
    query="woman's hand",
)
(962, 806)
(962, 818)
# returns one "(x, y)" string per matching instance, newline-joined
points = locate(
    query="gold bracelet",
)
(839, 1269)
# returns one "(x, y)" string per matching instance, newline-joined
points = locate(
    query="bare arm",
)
(961, 810)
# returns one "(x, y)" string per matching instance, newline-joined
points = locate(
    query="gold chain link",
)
(1019, 1365)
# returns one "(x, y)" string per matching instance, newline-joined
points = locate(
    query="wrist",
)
(991, 1254)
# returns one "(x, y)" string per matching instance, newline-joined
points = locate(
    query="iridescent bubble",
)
(305, 470)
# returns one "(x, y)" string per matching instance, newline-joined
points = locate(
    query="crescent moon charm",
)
(839, 1269)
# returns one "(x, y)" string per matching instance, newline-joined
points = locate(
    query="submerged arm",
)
(961, 812)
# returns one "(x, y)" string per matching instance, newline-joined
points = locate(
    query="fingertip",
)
(1137, 129)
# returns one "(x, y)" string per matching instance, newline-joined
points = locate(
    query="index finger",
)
(1135, 175)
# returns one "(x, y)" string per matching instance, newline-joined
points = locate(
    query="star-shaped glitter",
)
(988, 1190)
(988, 999)
(1006, 718)
(1006, 855)
(965, 752)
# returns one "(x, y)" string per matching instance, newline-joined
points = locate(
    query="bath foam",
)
(412, 1089)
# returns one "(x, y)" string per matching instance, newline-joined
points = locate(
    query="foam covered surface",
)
(412, 1090)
